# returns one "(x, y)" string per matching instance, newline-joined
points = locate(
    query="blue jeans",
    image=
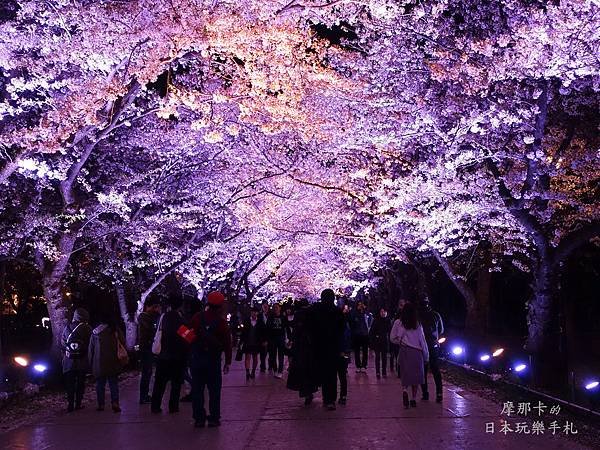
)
(113, 383)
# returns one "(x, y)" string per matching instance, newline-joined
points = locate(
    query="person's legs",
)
(214, 392)
(424, 387)
(79, 388)
(342, 372)
(377, 361)
(146, 361)
(384, 362)
(113, 384)
(70, 381)
(100, 387)
(281, 356)
(365, 351)
(254, 363)
(272, 356)
(356, 348)
(414, 389)
(177, 374)
(435, 371)
(161, 377)
(198, 385)
(263, 358)
(329, 384)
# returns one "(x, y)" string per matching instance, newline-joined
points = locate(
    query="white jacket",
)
(411, 338)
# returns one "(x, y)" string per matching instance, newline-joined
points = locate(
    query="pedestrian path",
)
(263, 414)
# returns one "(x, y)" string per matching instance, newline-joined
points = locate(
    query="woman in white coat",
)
(407, 332)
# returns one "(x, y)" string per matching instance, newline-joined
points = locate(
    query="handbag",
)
(157, 342)
(122, 354)
(188, 334)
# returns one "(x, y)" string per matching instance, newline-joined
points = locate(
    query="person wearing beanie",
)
(213, 338)
(75, 340)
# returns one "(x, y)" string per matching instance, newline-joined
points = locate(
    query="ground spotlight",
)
(498, 352)
(21, 361)
(40, 368)
(520, 367)
(441, 340)
(592, 385)
(457, 350)
(484, 358)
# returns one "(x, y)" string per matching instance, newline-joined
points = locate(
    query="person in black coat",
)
(75, 342)
(302, 375)
(276, 333)
(328, 330)
(147, 323)
(252, 340)
(379, 338)
(172, 359)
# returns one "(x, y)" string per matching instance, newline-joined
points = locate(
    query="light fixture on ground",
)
(520, 367)
(21, 361)
(40, 368)
(592, 385)
(457, 350)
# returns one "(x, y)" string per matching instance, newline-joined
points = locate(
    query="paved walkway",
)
(264, 415)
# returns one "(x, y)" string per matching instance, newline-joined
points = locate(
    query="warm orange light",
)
(20, 360)
(498, 352)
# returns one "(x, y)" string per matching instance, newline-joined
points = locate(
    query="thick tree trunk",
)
(543, 342)
(128, 318)
(57, 310)
(53, 274)
(471, 320)
(484, 287)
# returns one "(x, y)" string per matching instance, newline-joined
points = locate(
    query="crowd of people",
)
(312, 342)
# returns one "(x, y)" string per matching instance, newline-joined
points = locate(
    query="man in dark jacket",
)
(263, 316)
(75, 342)
(172, 359)
(328, 329)
(433, 327)
(147, 322)
(379, 338)
(276, 334)
(344, 358)
(213, 338)
(360, 323)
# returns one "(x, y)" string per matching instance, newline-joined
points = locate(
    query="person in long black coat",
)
(328, 331)
(302, 375)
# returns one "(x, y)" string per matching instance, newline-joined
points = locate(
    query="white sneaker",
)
(278, 375)
(358, 370)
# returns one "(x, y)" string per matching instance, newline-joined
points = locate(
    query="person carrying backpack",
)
(213, 338)
(75, 341)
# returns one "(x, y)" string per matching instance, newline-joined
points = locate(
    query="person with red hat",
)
(213, 339)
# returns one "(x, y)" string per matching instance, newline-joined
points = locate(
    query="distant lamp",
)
(520, 367)
(40, 368)
(592, 385)
(457, 350)
(441, 340)
(21, 361)
(498, 352)
(484, 358)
